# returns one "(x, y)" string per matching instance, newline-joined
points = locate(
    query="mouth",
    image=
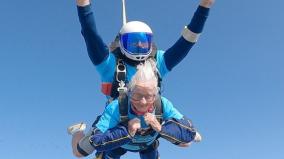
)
(141, 110)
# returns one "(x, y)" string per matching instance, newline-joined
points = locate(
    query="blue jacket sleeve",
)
(178, 131)
(97, 49)
(180, 49)
(109, 133)
(111, 139)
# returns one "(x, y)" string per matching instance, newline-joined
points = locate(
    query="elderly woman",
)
(138, 130)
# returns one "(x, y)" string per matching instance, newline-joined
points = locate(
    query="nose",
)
(143, 100)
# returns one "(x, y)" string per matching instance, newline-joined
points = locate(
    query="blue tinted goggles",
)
(136, 43)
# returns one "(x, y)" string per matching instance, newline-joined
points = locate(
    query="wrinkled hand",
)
(133, 126)
(151, 120)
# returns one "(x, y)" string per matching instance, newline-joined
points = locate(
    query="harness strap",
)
(119, 78)
(123, 109)
(159, 110)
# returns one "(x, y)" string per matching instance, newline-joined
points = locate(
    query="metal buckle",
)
(120, 68)
(122, 88)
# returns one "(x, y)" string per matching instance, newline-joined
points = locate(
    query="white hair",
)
(146, 73)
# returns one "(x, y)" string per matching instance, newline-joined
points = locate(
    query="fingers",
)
(151, 120)
(133, 126)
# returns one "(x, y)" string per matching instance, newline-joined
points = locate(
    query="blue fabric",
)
(111, 139)
(114, 154)
(117, 153)
(110, 117)
(169, 110)
(198, 20)
(154, 154)
(106, 69)
(178, 131)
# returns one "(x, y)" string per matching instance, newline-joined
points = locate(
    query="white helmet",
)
(136, 40)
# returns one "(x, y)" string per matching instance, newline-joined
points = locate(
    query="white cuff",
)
(190, 36)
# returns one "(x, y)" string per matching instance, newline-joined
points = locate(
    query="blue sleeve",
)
(97, 49)
(110, 139)
(163, 70)
(180, 49)
(110, 117)
(178, 131)
(169, 111)
(109, 133)
(107, 68)
(176, 128)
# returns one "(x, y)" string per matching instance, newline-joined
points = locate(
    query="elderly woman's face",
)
(142, 97)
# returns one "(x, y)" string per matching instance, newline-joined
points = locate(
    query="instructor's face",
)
(143, 97)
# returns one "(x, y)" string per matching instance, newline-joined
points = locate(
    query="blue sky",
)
(231, 84)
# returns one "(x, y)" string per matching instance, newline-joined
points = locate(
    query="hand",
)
(83, 3)
(151, 120)
(206, 3)
(133, 126)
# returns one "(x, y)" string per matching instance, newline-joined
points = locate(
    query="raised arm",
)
(97, 49)
(190, 35)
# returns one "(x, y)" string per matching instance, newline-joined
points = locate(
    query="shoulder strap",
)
(123, 109)
(159, 109)
(119, 75)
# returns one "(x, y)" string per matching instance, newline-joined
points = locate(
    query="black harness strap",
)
(159, 110)
(123, 109)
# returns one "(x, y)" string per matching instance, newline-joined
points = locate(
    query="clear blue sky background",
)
(231, 84)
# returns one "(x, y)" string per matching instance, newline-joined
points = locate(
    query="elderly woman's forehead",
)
(144, 88)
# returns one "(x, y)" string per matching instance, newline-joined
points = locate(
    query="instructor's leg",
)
(151, 152)
(114, 154)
